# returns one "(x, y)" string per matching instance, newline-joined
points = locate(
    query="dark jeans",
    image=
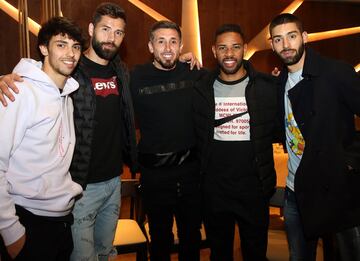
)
(253, 220)
(47, 238)
(301, 249)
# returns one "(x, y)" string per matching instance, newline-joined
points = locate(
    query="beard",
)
(166, 64)
(226, 70)
(106, 54)
(294, 59)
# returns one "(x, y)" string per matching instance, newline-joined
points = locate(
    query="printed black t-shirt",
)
(162, 103)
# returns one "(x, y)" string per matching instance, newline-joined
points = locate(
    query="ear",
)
(91, 29)
(305, 37)
(271, 44)
(245, 48)
(213, 49)
(44, 50)
(151, 47)
(181, 47)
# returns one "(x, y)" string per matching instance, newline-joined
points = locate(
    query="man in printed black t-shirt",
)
(105, 134)
(234, 115)
(170, 177)
(104, 121)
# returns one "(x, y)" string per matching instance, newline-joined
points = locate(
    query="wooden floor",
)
(277, 244)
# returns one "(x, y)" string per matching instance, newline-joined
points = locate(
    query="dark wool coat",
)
(261, 97)
(324, 104)
(84, 112)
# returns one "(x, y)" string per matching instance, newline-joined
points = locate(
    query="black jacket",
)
(324, 104)
(84, 112)
(260, 96)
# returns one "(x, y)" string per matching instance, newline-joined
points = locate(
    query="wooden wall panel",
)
(252, 15)
(9, 37)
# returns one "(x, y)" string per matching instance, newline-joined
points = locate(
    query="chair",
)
(129, 236)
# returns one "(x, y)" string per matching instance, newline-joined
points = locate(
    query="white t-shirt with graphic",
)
(295, 142)
(230, 100)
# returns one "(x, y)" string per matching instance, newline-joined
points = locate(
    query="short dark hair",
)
(110, 9)
(55, 26)
(164, 25)
(284, 19)
(229, 28)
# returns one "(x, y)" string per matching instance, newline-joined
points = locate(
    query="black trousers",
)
(47, 238)
(166, 195)
(252, 217)
(342, 246)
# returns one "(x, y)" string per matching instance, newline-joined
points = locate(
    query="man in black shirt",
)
(170, 178)
(234, 113)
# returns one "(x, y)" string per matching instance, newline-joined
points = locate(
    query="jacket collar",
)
(311, 66)
(205, 87)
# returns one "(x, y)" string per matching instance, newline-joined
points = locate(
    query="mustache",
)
(288, 49)
(108, 43)
(229, 59)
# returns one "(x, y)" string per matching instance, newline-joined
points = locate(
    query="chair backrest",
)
(130, 189)
(129, 234)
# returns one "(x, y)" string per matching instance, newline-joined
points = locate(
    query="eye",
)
(119, 33)
(237, 47)
(221, 48)
(292, 36)
(77, 47)
(277, 40)
(60, 45)
(174, 41)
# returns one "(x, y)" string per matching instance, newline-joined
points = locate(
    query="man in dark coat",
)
(234, 112)
(319, 97)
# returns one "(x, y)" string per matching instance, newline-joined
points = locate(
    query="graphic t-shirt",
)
(106, 156)
(230, 100)
(295, 143)
(230, 172)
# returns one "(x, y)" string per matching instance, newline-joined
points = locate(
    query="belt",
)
(168, 159)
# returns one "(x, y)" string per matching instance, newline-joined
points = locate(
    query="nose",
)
(229, 52)
(285, 42)
(167, 47)
(71, 52)
(111, 37)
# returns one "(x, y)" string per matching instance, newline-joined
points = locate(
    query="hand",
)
(191, 59)
(15, 248)
(275, 72)
(7, 83)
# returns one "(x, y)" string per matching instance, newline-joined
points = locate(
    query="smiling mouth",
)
(69, 63)
(229, 62)
(168, 55)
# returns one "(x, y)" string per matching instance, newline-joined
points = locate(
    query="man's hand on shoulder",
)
(191, 59)
(7, 83)
(275, 72)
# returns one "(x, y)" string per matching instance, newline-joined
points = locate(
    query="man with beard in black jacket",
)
(234, 111)
(170, 179)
